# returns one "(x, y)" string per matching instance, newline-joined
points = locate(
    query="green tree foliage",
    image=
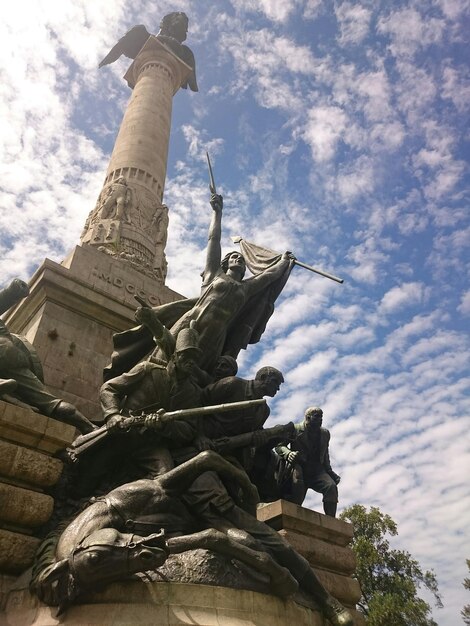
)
(389, 578)
(466, 609)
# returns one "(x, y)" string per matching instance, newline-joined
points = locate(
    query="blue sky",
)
(337, 130)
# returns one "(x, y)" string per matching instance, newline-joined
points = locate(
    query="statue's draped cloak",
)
(245, 328)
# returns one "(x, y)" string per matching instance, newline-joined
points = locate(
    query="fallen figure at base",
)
(137, 525)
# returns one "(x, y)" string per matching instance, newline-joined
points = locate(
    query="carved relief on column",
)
(130, 222)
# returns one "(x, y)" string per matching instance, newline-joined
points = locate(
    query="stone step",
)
(340, 559)
(288, 516)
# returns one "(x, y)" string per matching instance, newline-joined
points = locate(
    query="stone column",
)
(74, 308)
(129, 219)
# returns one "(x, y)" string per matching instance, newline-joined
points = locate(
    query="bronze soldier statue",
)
(21, 371)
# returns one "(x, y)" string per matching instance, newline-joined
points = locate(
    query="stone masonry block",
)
(289, 516)
(33, 430)
(16, 551)
(346, 589)
(28, 466)
(340, 559)
(23, 507)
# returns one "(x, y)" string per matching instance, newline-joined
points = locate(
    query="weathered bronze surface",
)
(176, 465)
(173, 31)
(305, 464)
(182, 455)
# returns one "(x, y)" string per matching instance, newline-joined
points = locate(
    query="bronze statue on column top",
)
(173, 31)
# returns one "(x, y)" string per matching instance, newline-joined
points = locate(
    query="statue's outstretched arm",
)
(162, 336)
(259, 282)
(214, 250)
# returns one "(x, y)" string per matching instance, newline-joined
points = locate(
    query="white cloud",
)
(453, 9)
(354, 22)
(464, 306)
(416, 90)
(262, 59)
(199, 144)
(456, 86)
(312, 9)
(410, 31)
(367, 259)
(356, 180)
(404, 295)
(276, 10)
(375, 87)
(323, 130)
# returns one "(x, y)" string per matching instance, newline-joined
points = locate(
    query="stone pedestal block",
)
(322, 553)
(288, 516)
(16, 552)
(71, 314)
(27, 468)
(323, 541)
(24, 507)
(33, 431)
(165, 604)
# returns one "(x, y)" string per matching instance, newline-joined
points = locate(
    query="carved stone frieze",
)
(129, 222)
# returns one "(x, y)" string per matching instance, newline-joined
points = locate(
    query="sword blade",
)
(211, 175)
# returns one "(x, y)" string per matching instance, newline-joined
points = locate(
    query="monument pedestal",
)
(165, 604)
(324, 542)
(71, 314)
(28, 442)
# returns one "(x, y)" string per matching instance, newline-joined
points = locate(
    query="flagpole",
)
(321, 272)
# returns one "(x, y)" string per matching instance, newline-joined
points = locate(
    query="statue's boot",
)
(330, 508)
(68, 414)
(331, 608)
(337, 614)
(7, 385)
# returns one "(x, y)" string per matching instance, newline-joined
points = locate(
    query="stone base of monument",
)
(166, 604)
(196, 587)
(157, 603)
(28, 469)
(323, 541)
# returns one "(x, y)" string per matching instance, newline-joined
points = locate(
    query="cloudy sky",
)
(338, 130)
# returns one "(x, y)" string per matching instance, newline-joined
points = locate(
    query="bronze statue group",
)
(182, 457)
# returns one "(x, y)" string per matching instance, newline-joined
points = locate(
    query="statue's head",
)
(235, 261)
(270, 380)
(121, 180)
(175, 25)
(187, 351)
(226, 366)
(104, 556)
(313, 417)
